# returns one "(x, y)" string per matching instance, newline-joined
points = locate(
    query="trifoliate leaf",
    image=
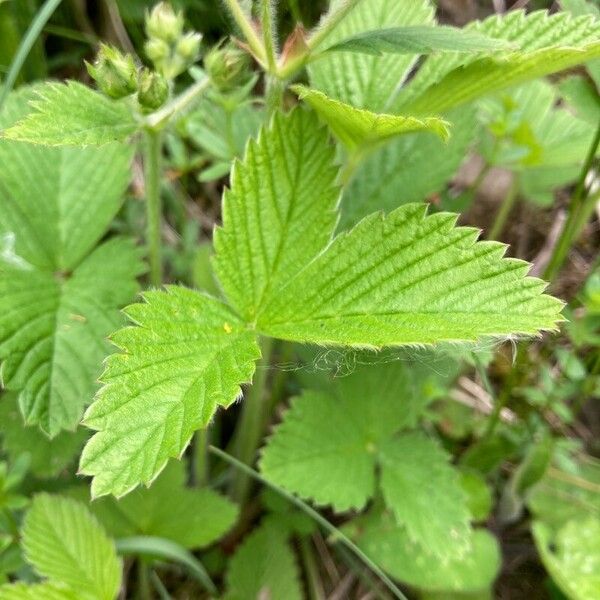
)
(73, 114)
(359, 128)
(408, 278)
(409, 169)
(53, 330)
(363, 80)
(424, 493)
(388, 544)
(264, 567)
(65, 543)
(187, 355)
(547, 44)
(279, 212)
(572, 556)
(58, 296)
(41, 591)
(168, 509)
(47, 457)
(330, 442)
(417, 40)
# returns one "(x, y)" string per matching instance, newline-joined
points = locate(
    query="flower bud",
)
(188, 47)
(157, 50)
(153, 89)
(226, 66)
(114, 72)
(164, 23)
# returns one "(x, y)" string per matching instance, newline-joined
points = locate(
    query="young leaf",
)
(547, 44)
(379, 183)
(41, 591)
(73, 114)
(329, 445)
(264, 567)
(389, 545)
(424, 493)
(408, 278)
(47, 457)
(418, 40)
(359, 128)
(279, 212)
(572, 556)
(193, 518)
(65, 543)
(188, 354)
(363, 80)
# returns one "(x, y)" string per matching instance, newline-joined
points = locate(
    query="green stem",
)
(29, 39)
(251, 425)
(200, 462)
(244, 22)
(144, 589)
(269, 35)
(579, 211)
(504, 212)
(152, 174)
(337, 535)
(330, 22)
(274, 95)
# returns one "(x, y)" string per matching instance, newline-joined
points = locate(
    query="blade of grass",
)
(324, 523)
(41, 18)
(168, 550)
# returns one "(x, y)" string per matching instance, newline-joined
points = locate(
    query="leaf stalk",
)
(152, 176)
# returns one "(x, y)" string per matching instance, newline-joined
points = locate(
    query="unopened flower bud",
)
(153, 89)
(157, 50)
(114, 72)
(188, 47)
(226, 66)
(164, 23)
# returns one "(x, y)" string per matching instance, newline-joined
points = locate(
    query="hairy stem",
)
(504, 212)
(274, 95)
(244, 22)
(269, 27)
(152, 174)
(579, 212)
(251, 426)
(330, 22)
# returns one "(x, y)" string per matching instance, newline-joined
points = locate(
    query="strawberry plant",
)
(236, 315)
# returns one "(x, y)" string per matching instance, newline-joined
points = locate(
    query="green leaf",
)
(47, 457)
(57, 202)
(408, 278)
(193, 518)
(66, 544)
(53, 330)
(359, 128)
(547, 44)
(417, 40)
(572, 556)
(424, 493)
(188, 354)
(389, 546)
(329, 444)
(58, 296)
(279, 212)
(362, 80)
(42, 591)
(73, 114)
(323, 451)
(403, 170)
(264, 566)
(583, 96)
